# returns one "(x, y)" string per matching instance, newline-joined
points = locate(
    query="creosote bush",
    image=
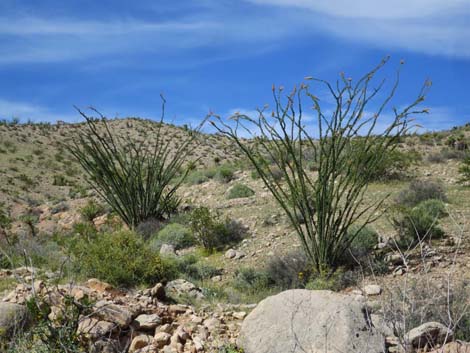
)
(174, 234)
(331, 200)
(421, 190)
(239, 191)
(419, 223)
(211, 231)
(120, 258)
(136, 178)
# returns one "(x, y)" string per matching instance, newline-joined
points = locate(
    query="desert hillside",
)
(59, 236)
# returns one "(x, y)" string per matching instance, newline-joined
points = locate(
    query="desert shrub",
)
(5, 219)
(339, 188)
(450, 153)
(174, 234)
(464, 170)
(189, 267)
(362, 246)
(85, 230)
(250, 280)
(230, 349)
(30, 219)
(335, 281)
(421, 190)
(435, 158)
(91, 210)
(420, 223)
(60, 180)
(149, 228)
(60, 207)
(423, 300)
(196, 177)
(120, 258)
(289, 271)
(212, 232)
(239, 191)
(224, 173)
(393, 165)
(136, 178)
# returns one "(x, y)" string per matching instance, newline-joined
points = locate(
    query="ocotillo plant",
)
(136, 179)
(322, 206)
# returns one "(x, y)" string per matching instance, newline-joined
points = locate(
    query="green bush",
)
(289, 271)
(420, 223)
(419, 191)
(196, 177)
(230, 349)
(149, 228)
(464, 170)
(211, 232)
(189, 267)
(394, 164)
(364, 242)
(251, 281)
(91, 210)
(332, 281)
(120, 258)
(224, 173)
(239, 191)
(174, 234)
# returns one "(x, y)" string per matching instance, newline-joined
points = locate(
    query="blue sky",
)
(224, 56)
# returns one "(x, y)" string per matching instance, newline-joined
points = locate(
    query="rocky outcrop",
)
(307, 321)
(135, 321)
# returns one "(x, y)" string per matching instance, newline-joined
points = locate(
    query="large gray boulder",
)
(13, 318)
(304, 321)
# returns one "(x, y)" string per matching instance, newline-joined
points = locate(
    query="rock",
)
(429, 333)
(167, 249)
(158, 292)
(198, 344)
(148, 322)
(454, 347)
(177, 309)
(240, 315)
(139, 342)
(105, 346)
(119, 314)
(307, 321)
(230, 254)
(394, 259)
(94, 328)
(234, 254)
(183, 287)
(13, 317)
(239, 255)
(98, 285)
(212, 324)
(161, 339)
(372, 289)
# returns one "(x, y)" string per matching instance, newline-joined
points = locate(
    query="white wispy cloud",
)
(433, 27)
(428, 26)
(376, 9)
